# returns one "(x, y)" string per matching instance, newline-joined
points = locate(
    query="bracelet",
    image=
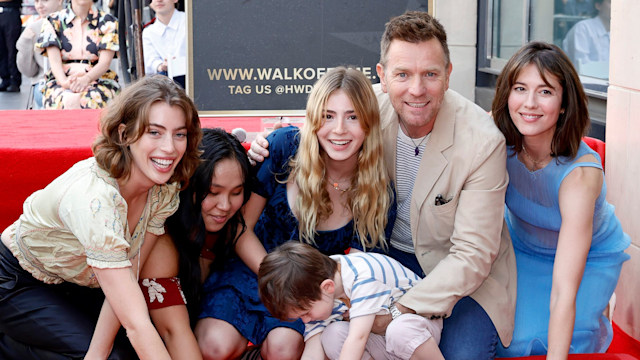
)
(394, 311)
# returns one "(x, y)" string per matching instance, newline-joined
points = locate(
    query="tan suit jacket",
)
(463, 246)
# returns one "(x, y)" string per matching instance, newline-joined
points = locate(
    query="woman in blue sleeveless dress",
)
(568, 242)
(324, 185)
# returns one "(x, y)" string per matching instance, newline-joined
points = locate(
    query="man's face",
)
(162, 7)
(416, 78)
(604, 10)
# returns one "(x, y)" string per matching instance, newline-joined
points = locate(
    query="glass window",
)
(509, 30)
(579, 27)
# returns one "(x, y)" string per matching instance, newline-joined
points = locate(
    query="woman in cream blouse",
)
(93, 227)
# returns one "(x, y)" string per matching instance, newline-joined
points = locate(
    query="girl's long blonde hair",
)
(369, 195)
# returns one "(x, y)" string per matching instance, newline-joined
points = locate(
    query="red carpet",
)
(581, 357)
(623, 343)
(38, 146)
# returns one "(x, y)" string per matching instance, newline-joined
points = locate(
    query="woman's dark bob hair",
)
(573, 122)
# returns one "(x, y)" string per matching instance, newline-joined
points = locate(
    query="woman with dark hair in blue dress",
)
(569, 245)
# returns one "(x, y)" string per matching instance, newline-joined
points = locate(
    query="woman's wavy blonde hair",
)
(131, 108)
(369, 195)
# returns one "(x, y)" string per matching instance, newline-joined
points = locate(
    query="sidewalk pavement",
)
(16, 101)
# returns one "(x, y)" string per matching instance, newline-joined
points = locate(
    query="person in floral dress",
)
(80, 42)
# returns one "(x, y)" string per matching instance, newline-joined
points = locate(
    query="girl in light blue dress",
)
(568, 242)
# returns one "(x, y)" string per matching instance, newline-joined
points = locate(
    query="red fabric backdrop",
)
(38, 146)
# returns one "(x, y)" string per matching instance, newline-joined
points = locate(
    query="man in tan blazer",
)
(448, 161)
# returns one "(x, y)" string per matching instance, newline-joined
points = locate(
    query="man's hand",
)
(380, 324)
(163, 67)
(382, 321)
(259, 145)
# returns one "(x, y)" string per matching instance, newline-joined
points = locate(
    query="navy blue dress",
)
(232, 293)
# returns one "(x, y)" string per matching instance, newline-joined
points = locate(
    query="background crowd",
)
(67, 50)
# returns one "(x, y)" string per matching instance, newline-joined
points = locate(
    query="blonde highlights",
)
(369, 196)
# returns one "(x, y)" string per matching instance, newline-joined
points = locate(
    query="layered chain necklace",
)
(336, 184)
(417, 149)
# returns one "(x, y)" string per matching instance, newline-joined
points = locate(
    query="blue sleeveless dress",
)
(533, 216)
(232, 293)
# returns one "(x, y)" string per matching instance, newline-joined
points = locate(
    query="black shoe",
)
(4, 85)
(13, 88)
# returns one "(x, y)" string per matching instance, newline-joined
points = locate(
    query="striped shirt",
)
(371, 282)
(407, 166)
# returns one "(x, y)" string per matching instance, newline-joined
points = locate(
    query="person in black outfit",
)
(10, 27)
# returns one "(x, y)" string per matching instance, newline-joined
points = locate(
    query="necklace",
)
(417, 149)
(336, 185)
(536, 163)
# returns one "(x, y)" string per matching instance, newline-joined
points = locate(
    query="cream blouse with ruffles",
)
(79, 221)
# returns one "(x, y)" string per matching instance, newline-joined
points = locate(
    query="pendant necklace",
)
(536, 163)
(417, 149)
(336, 185)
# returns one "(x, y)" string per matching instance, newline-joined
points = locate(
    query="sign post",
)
(261, 58)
